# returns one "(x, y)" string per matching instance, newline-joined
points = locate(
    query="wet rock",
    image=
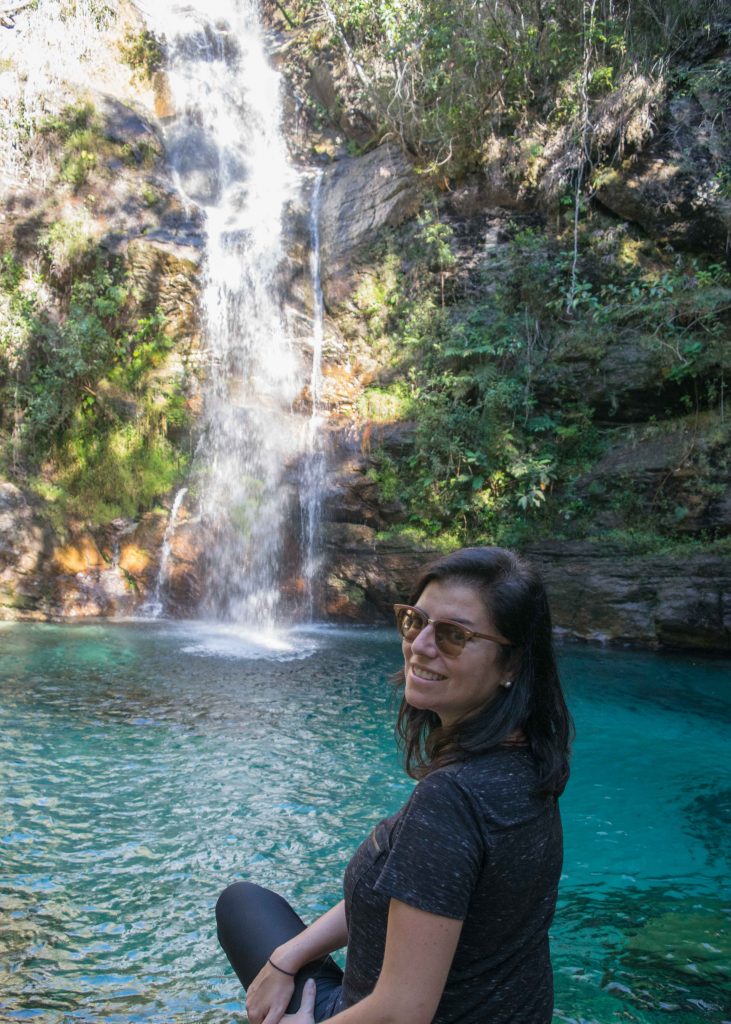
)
(196, 160)
(182, 589)
(365, 574)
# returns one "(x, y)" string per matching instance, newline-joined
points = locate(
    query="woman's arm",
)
(324, 935)
(419, 952)
(269, 993)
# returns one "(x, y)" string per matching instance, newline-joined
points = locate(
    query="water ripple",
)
(138, 780)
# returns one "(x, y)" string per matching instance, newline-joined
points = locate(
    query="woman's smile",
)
(468, 681)
(426, 673)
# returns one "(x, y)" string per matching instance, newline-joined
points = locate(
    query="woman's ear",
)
(513, 663)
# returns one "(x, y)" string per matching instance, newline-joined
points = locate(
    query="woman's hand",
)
(268, 996)
(306, 1012)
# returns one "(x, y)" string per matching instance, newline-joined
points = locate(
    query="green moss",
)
(105, 476)
(144, 52)
(386, 404)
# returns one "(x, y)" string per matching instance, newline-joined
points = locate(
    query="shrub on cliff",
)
(83, 416)
(446, 79)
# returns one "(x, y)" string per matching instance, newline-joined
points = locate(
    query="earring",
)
(507, 684)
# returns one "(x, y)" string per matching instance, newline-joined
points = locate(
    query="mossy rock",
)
(690, 940)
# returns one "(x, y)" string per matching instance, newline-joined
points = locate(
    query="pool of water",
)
(144, 766)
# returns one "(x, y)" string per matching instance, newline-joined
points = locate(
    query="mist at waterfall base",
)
(146, 765)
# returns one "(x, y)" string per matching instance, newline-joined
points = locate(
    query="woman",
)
(447, 903)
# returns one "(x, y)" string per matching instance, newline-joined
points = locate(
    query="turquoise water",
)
(144, 766)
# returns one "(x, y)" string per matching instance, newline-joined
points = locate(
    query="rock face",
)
(671, 186)
(595, 593)
(366, 576)
(361, 195)
(598, 589)
(672, 189)
(678, 471)
(25, 543)
(652, 600)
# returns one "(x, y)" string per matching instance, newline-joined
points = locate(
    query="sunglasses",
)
(450, 637)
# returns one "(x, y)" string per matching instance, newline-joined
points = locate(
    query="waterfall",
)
(230, 159)
(315, 462)
(153, 609)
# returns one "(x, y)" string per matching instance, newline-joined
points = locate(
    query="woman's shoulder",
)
(501, 785)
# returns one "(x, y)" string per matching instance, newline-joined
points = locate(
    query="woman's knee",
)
(234, 899)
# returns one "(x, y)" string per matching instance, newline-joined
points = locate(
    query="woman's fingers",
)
(276, 1013)
(271, 1014)
(308, 998)
(306, 1012)
(273, 1017)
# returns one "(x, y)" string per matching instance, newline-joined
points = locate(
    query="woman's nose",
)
(424, 642)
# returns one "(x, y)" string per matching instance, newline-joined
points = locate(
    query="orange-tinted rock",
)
(134, 559)
(80, 555)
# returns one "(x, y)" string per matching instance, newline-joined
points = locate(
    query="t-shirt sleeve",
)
(437, 854)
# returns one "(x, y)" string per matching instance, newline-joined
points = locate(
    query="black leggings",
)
(251, 923)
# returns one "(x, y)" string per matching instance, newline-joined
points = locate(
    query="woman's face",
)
(459, 686)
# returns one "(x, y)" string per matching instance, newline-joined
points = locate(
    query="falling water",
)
(230, 159)
(315, 460)
(153, 609)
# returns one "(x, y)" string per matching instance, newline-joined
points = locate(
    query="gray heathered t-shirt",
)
(476, 843)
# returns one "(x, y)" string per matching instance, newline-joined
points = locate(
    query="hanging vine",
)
(584, 165)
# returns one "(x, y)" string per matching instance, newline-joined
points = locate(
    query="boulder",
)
(360, 195)
(129, 127)
(672, 188)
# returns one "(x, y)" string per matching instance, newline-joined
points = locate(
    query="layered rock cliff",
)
(627, 513)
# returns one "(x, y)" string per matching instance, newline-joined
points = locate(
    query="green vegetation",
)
(496, 374)
(448, 78)
(84, 146)
(90, 416)
(102, 13)
(144, 52)
(84, 417)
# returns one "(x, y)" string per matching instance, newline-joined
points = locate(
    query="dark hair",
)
(514, 595)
